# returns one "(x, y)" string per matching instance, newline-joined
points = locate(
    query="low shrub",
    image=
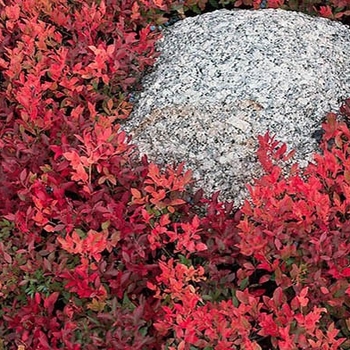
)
(102, 250)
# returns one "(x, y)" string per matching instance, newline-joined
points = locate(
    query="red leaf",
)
(201, 247)
(23, 175)
(13, 12)
(7, 258)
(37, 298)
(43, 340)
(346, 272)
(50, 301)
(73, 157)
(80, 174)
(136, 193)
(135, 11)
(160, 4)
(242, 297)
(278, 296)
(325, 11)
(302, 297)
(177, 201)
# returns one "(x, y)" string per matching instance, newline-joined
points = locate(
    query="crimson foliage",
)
(101, 250)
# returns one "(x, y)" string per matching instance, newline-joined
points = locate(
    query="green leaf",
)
(185, 261)
(339, 293)
(244, 283)
(207, 297)
(214, 3)
(235, 301)
(127, 303)
(80, 232)
(290, 261)
(226, 2)
(196, 9)
(143, 331)
(105, 225)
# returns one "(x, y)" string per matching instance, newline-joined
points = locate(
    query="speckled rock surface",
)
(225, 77)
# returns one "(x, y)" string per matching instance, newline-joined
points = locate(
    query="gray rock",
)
(225, 77)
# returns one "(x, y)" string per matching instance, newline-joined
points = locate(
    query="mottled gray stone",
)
(225, 77)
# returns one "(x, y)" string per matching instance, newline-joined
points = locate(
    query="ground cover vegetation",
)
(101, 250)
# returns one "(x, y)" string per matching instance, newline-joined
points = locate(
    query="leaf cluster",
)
(102, 250)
